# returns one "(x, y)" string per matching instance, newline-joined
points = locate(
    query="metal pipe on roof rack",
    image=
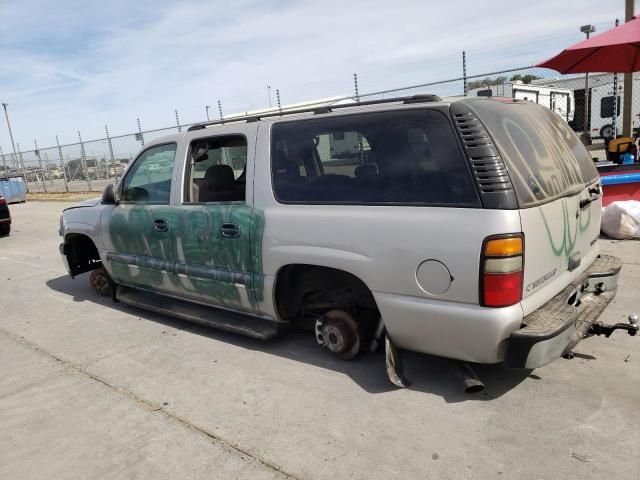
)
(322, 109)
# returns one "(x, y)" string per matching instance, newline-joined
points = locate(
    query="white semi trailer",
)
(559, 100)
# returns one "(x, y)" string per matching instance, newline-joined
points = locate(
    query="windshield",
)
(545, 158)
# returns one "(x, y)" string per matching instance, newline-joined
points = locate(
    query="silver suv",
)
(466, 228)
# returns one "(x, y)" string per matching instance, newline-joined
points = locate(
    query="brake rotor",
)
(337, 331)
(100, 281)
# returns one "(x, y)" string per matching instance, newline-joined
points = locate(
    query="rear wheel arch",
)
(306, 289)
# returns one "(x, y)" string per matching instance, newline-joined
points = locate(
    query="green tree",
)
(524, 78)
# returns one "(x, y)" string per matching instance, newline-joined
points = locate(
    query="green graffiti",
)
(568, 243)
(211, 267)
(584, 227)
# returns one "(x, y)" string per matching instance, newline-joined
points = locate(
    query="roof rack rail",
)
(317, 110)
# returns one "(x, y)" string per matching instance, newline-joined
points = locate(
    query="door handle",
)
(160, 225)
(230, 230)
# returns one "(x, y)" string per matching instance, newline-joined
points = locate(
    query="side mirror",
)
(108, 196)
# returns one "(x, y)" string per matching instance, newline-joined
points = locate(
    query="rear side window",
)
(544, 156)
(409, 157)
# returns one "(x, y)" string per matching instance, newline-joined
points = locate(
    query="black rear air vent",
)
(488, 168)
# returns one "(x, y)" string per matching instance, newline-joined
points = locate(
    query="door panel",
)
(139, 230)
(139, 254)
(214, 265)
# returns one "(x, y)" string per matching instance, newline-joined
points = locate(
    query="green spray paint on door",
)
(219, 268)
(192, 258)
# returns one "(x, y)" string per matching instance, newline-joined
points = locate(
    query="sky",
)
(80, 65)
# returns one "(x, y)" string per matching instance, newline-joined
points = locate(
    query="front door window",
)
(149, 180)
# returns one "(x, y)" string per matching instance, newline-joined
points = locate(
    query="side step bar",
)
(262, 328)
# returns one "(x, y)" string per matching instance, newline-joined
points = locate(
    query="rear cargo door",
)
(558, 193)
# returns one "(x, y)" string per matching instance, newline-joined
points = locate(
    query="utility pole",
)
(269, 94)
(15, 155)
(207, 107)
(628, 82)
(586, 135)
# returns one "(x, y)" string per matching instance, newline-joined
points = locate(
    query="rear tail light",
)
(2, 201)
(501, 270)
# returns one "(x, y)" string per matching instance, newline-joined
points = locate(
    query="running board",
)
(261, 328)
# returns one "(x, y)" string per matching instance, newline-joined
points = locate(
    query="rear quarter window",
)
(544, 157)
(408, 157)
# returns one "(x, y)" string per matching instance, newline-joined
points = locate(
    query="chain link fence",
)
(91, 165)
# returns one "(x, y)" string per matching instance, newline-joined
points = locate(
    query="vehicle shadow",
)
(428, 374)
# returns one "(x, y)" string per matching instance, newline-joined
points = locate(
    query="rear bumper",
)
(560, 324)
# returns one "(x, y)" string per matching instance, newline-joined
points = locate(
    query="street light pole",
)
(15, 155)
(586, 135)
(207, 107)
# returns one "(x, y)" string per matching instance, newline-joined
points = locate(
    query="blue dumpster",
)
(13, 189)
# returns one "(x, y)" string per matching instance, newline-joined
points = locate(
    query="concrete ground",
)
(92, 389)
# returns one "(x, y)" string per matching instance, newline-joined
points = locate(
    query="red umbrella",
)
(616, 50)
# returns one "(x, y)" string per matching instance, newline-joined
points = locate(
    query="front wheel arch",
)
(82, 254)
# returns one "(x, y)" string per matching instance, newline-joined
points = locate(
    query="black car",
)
(5, 218)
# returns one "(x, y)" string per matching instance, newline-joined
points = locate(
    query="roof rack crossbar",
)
(316, 109)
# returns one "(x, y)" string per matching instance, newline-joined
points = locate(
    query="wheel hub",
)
(100, 282)
(338, 332)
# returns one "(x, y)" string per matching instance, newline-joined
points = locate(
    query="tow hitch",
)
(599, 328)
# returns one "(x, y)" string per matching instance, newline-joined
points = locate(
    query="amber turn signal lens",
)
(502, 247)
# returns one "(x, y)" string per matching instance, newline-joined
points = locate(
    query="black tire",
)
(5, 229)
(606, 132)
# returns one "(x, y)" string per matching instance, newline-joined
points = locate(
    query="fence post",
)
(140, 135)
(64, 169)
(37, 152)
(48, 167)
(83, 162)
(220, 110)
(464, 72)
(21, 163)
(4, 163)
(278, 99)
(113, 160)
(355, 86)
(615, 98)
(178, 121)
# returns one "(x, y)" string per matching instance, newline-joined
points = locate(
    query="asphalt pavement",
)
(93, 389)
